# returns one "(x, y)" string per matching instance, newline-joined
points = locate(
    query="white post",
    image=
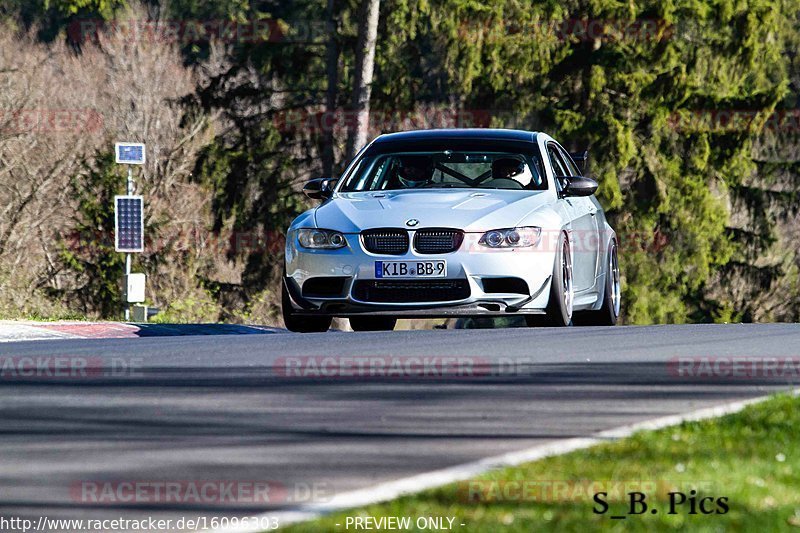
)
(128, 255)
(127, 153)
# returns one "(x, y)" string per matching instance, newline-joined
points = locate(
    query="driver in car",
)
(414, 171)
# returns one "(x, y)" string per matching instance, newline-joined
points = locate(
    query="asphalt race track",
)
(221, 407)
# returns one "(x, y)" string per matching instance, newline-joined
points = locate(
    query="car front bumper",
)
(470, 266)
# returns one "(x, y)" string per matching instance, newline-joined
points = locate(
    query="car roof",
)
(476, 139)
(467, 134)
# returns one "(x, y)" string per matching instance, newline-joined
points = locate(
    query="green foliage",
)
(50, 17)
(628, 94)
(615, 94)
(251, 166)
(199, 309)
(72, 316)
(103, 8)
(262, 308)
(89, 250)
(251, 186)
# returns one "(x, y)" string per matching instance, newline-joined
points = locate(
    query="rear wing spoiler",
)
(581, 159)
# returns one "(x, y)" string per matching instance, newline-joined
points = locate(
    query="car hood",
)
(471, 210)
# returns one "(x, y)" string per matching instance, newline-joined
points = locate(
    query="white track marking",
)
(429, 480)
(15, 332)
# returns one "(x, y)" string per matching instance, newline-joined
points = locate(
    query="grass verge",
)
(752, 458)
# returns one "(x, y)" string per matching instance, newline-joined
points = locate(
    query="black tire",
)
(608, 313)
(301, 323)
(372, 323)
(559, 306)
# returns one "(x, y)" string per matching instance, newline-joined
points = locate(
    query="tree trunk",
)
(365, 63)
(332, 72)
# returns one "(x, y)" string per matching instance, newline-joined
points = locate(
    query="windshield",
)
(440, 170)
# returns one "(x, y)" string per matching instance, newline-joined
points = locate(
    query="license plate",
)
(410, 269)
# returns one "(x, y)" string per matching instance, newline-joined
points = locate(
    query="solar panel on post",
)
(130, 153)
(129, 224)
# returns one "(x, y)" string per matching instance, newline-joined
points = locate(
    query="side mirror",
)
(579, 186)
(581, 159)
(320, 188)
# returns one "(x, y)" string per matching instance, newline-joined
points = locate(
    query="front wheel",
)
(372, 323)
(608, 313)
(299, 323)
(559, 307)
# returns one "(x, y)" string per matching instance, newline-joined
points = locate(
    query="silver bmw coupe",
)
(446, 223)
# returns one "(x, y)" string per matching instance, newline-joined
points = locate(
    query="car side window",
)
(559, 167)
(571, 166)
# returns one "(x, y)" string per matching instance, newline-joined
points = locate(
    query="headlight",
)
(321, 239)
(511, 237)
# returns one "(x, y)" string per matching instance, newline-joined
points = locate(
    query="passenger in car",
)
(509, 173)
